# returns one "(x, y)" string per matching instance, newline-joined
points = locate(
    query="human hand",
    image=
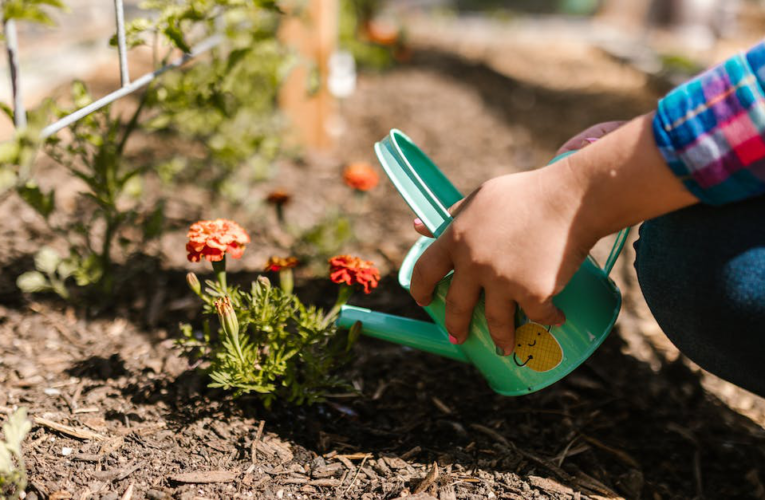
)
(520, 238)
(515, 242)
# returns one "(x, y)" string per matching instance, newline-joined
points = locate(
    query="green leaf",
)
(33, 282)
(174, 33)
(7, 178)
(89, 271)
(47, 260)
(16, 429)
(41, 202)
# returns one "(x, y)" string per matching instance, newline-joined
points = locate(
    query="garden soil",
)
(119, 415)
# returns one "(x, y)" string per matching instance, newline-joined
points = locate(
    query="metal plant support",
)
(127, 87)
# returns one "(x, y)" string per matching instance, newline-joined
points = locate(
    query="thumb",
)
(544, 313)
(419, 226)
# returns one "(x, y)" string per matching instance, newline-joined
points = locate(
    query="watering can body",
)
(543, 354)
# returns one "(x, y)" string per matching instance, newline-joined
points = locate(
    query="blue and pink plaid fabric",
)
(711, 130)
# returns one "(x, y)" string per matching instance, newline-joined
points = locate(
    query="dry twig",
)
(68, 430)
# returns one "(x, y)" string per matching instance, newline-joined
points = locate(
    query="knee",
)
(707, 295)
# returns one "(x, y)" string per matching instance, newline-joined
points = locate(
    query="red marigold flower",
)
(280, 263)
(354, 271)
(213, 239)
(279, 197)
(361, 176)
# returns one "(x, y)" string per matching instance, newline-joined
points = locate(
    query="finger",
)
(461, 299)
(431, 267)
(589, 135)
(500, 318)
(543, 312)
(419, 226)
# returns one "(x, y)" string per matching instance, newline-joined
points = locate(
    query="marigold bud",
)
(264, 282)
(193, 283)
(227, 317)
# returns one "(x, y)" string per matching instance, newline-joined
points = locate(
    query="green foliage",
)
(353, 14)
(226, 101)
(31, 10)
(325, 239)
(280, 348)
(17, 157)
(13, 475)
(221, 109)
(95, 155)
(51, 274)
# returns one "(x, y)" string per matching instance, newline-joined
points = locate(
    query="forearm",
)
(620, 180)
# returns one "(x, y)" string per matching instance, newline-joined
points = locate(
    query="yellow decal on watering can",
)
(536, 348)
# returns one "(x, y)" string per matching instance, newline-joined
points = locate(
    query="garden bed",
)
(116, 408)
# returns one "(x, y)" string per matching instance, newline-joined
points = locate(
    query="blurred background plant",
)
(226, 103)
(13, 474)
(223, 107)
(375, 43)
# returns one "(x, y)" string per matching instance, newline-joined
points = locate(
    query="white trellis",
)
(127, 87)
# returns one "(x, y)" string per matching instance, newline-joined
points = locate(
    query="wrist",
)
(620, 181)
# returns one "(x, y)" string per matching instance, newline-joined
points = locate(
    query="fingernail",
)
(417, 221)
(453, 339)
(499, 351)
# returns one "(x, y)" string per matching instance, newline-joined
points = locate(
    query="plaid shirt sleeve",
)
(711, 130)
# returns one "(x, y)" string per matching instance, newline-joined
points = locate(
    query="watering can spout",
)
(420, 335)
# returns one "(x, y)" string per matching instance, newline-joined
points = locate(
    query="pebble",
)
(66, 451)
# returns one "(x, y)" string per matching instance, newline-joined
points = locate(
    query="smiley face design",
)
(536, 348)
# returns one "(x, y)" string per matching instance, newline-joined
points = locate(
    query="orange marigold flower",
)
(381, 33)
(213, 239)
(279, 197)
(361, 176)
(354, 271)
(280, 263)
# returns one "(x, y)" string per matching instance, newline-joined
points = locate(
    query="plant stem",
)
(106, 255)
(219, 268)
(345, 293)
(286, 280)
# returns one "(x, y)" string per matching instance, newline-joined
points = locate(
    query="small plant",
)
(109, 204)
(13, 474)
(268, 342)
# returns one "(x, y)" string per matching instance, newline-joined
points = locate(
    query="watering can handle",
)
(429, 193)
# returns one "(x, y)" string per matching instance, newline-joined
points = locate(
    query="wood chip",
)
(346, 462)
(111, 445)
(254, 446)
(117, 474)
(328, 483)
(550, 486)
(411, 453)
(351, 456)
(128, 492)
(68, 430)
(590, 483)
(491, 433)
(430, 478)
(204, 477)
(441, 405)
(621, 455)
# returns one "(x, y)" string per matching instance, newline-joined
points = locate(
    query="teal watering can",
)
(542, 354)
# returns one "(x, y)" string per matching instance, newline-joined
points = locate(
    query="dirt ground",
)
(116, 409)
